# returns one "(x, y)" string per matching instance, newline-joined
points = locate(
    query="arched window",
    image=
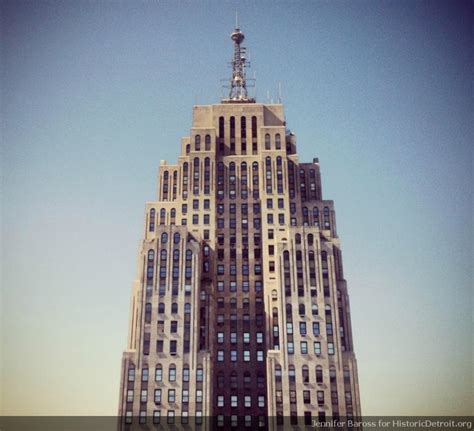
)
(158, 373)
(289, 312)
(278, 141)
(151, 255)
(172, 373)
(254, 127)
(197, 142)
(232, 127)
(268, 174)
(187, 308)
(161, 307)
(243, 181)
(164, 238)
(221, 127)
(316, 216)
(185, 179)
(314, 309)
(148, 312)
(305, 216)
(319, 374)
(247, 380)
(301, 309)
(243, 128)
(291, 374)
(310, 239)
(207, 142)
(347, 374)
(267, 141)
(277, 373)
(175, 255)
(151, 223)
(189, 255)
(220, 380)
(305, 373)
(233, 380)
(173, 216)
(188, 148)
(207, 175)
(176, 238)
(162, 216)
(174, 308)
(165, 185)
(332, 374)
(327, 223)
(298, 238)
(196, 176)
(163, 255)
(175, 184)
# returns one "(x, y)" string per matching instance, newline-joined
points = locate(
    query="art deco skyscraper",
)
(240, 311)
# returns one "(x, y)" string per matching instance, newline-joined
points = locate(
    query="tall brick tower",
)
(240, 313)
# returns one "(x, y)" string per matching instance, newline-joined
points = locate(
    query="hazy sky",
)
(95, 93)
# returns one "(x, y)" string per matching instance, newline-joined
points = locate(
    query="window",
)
(307, 397)
(186, 374)
(199, 395)
(304, 347)
(267, 141)
(246, 355)
(170, 418)
(302, 328)
(234, 401)
(233, 356)
(131, 374)
(199, 375)
(330, 348)
(220, 356)
(247, 401)
(278, 141)
(158, 373)
(259, 355)
(220, 400)
(319, 374)
(207, 142)
(261, 401)
(172, 374)
(277, 373)
(157, 396)
(316, 328)
(305, 374)
(290, 347)
(130, 396)
(156, 416)
(317, 348)
(320, 395)
(171, 395)
(173, 347)
(145, 374)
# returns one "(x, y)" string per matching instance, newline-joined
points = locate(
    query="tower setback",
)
(240, 313)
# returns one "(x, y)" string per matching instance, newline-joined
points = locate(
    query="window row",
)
(171, 374)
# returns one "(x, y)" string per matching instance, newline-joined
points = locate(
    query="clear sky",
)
(95, 93)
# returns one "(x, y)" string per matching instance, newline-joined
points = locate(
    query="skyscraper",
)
(240, 311)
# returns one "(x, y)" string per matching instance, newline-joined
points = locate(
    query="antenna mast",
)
(238, 82)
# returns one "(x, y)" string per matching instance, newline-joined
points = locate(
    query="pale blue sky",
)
(94, 94)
